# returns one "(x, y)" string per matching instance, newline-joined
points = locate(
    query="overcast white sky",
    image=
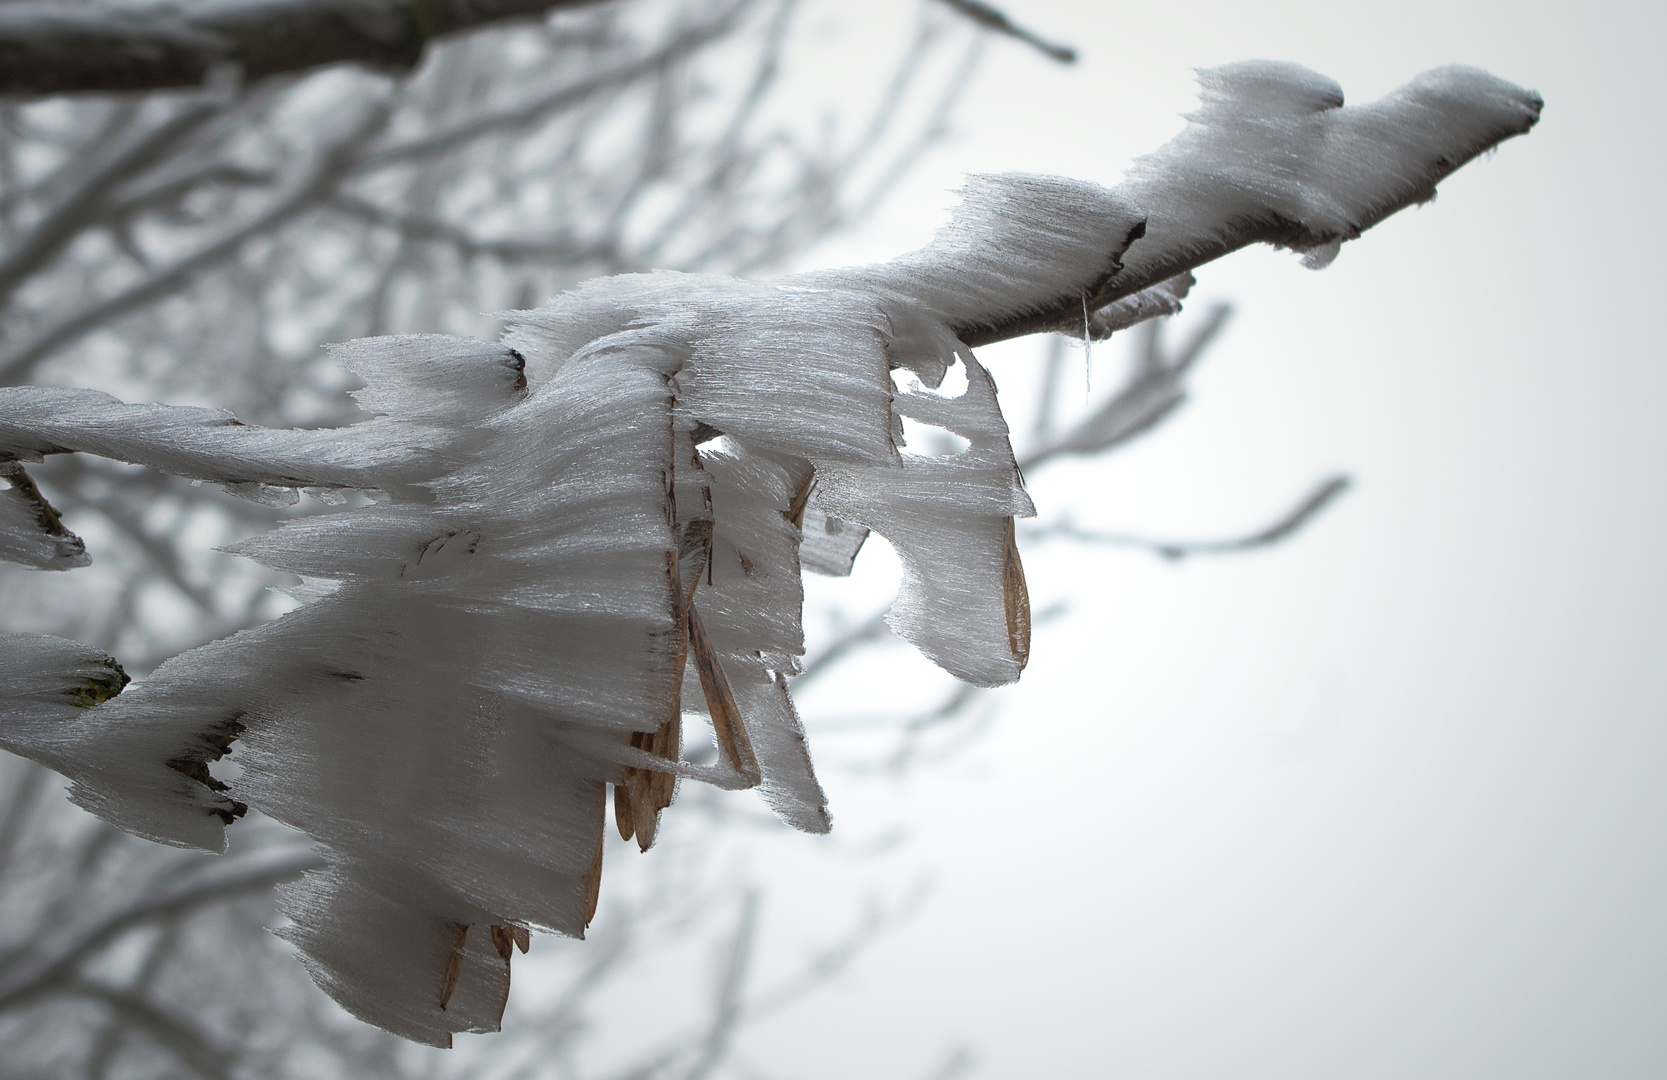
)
(1387, 801)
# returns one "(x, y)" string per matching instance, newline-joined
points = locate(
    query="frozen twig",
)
(1272, 156)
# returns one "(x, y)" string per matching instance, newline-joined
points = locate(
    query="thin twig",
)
(231, 877)
(460, 133)
(991, 18)
(726, 1015)
(328, 169)
(1280, 529)
(190, 1045)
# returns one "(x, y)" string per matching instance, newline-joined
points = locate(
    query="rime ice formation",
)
(596, 526)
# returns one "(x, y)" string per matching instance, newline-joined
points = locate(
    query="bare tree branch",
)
(727, 1014)
(20, 807)
(991, 18)
(1280, 529)
(241, 875)
(1154, 391)
(495, 122)
(53, 48)
(109, 1040)
(877, 918)
(958, 1062)
(559, 250)
(69, 216)
(315, 184)
(865, 633)
(180, 1037)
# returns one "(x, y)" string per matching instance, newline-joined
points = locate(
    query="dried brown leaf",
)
(720, 701)
(454, 967)
(1016, 599)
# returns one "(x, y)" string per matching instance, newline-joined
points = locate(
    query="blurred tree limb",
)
(50, 47)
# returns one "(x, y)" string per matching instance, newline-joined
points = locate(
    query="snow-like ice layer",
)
(798, 370)
(439, 713)
(389, 960)
(829, 545)
(48, 686)
(751, 595)
(1271, 155)
(436, 378)
(962, 601)
(751, 601)
(789, 783)
(207, 444)
(30, 532)
(1018, 243)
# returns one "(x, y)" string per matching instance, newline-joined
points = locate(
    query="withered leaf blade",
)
(1016, 599)
(502, 941)
(720, 701)
(647, 822)
(593, 895)
(795, 511)
(454, 967)
(650, 790)
(624, 816)
(648, 793)
(593, 873)
(31, 531)
(668, 744)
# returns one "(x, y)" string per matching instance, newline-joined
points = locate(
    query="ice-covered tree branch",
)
(1273, 156)
(575, 537)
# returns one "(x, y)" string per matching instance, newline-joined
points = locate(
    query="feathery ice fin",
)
(962, 601)
(1273, 156)
(597, 526)
(31, 532)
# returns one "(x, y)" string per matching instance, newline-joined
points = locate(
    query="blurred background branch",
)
(54, 48)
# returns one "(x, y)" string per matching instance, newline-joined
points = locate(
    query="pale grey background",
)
(1384, 802)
